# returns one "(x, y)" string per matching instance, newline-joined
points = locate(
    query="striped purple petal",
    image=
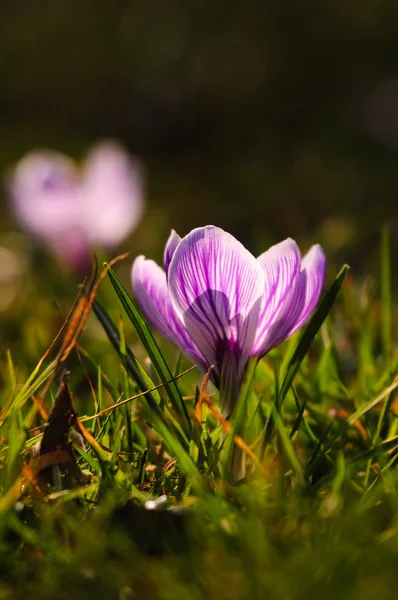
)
(314, 267)
(216, 287)
(171, 245)
(281, 265)
(150, 288)
(299, 302)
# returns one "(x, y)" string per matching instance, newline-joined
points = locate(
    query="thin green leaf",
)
(378, 450)
(129, 359)
(385, 277)
(287, 444)
(153, 350)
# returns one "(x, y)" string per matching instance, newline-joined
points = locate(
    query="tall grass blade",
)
(153, 350)
(287, 444)
(385, 281)
(135, 369)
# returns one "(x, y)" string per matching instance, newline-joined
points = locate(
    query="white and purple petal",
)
(112, 194)
(314, 267)
(299, 302)
(216, 287)
(171, 245)
(46, 198)
(150, 288)
(281, 265)
(44, 190)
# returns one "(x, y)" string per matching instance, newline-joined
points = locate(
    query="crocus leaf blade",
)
(135, 369)
(133, 366)
(151, 346)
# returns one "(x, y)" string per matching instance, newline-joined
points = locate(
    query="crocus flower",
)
(74, 210)
(221, 305)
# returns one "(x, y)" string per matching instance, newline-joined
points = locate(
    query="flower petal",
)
(150, 288)
(314, 266)
(171, 245)
(300, 301)
(46, 198)
(113, 195)
(45, 195)
(216, 287)
(281, 264)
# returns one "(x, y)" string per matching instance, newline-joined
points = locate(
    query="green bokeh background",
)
(267, 118)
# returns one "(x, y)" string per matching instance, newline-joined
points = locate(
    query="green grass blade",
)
(287, 444)
(306, 427)
(364, 409)
(29, 388)
(298, 421)
(153, 350)
(141, 468)
(175, 449)
(130, 361)
(385, 277)
(345, 426)
(341, 472)
(135, 369)
(376, 451)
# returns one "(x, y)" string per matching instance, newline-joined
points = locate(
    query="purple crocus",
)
(220, 305)
(72, 210)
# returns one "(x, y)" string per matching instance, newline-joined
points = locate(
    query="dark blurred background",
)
(267, 118)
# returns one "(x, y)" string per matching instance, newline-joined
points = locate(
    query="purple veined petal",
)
(171, 245)
(300, 302)
(113, 194)
(216, 287)
(150, 288)
(281, 264)
(44, 194)
(314, 265)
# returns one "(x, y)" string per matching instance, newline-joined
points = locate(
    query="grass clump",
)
(114, 465)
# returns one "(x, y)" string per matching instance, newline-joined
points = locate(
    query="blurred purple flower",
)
(73, 211)
(220, 304)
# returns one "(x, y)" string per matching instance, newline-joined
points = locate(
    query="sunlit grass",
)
(138, 501)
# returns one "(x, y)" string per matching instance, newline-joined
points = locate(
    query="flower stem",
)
(235, 463)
